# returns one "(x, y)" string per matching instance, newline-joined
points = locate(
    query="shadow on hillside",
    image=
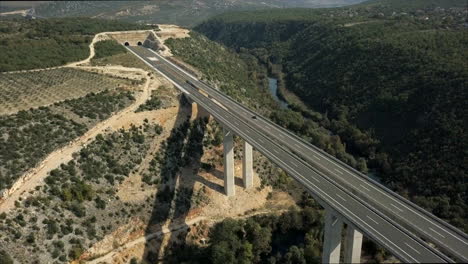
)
(183, 150)
(220, 175)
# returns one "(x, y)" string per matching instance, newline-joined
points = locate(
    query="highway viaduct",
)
(410, 233)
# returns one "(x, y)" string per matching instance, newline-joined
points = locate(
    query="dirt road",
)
(63, 155)
(35, 177)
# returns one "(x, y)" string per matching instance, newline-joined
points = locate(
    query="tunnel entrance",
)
(139, 43)
(127, 44)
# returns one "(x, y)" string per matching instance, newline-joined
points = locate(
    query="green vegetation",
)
(21, 91)
(126, 59)
(179, 12)
(236, 77)
(100, 105)
(106, 48)
(390, 82)
(110, 52)
(41, 43)
(29, 136)
(5, 258)
(245, 80)
(414, 4)
(78, 203)
(83, 200)
(241, 77)
(294, 237)
(154, 103)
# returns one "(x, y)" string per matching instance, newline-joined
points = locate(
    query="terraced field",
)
(25, 90)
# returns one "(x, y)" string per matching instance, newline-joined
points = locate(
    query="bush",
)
(78, 209)
(106, 48)
(75, 252)
(5, 257)
(154, 103)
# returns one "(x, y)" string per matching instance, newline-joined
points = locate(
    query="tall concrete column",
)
(332, 237)
(247, 165)
(194, 113)
(353, 244)
(228, 143)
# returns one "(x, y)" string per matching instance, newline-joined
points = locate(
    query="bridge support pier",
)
(332, 237)
(353, 244)
(228, 146)
(247, 165)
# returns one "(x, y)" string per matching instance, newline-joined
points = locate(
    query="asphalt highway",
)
(408, 214)
(326, 178)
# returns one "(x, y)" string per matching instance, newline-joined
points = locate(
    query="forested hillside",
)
(31, 44)
(389, 79)
(180, 12)
(275, 239)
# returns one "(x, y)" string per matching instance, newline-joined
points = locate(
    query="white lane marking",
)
(307, 182)
(180, 69)
(328, 159)
(261, 140)
(399, 209)
(334, 222)
(316, 157)
(276, 151)
(370, 218)
(412, 248)
(281, 136)
(362, 186)
(165, 76)
(293, 163)
(386, 195)
(338, 171)
(297, 146)
(341, 197)
(436, 232)
(390, 210)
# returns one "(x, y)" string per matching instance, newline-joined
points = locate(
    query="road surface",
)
(374, 210)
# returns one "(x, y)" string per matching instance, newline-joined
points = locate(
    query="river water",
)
(273, 87)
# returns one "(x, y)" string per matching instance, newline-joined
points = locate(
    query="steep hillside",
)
(294, 237)
(391, 83)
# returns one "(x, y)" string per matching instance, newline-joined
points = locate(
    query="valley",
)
(125, 130)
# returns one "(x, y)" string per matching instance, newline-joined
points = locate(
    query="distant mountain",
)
(182, 12)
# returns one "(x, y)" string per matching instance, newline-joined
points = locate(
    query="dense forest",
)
(41, 43)
(390, 81)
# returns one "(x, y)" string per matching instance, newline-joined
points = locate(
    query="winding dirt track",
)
(35, 177)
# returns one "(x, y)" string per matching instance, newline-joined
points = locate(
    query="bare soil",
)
(35, 177)
(129, 240)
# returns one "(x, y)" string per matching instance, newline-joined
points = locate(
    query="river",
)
(273, 87)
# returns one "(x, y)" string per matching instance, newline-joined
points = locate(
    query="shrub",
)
(5, 257)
